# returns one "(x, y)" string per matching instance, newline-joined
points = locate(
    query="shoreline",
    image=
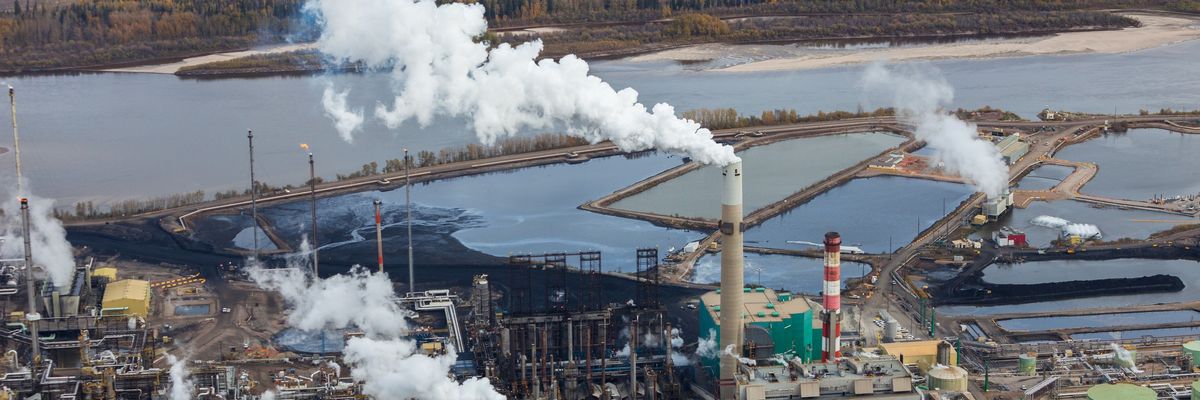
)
(172, 68)
(1157, 31)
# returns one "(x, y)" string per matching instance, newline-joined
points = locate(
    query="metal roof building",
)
(126, 297)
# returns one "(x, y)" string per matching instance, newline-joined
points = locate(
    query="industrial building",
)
(922, 353)
(776, 323)
(1011, 148)
(127, 297)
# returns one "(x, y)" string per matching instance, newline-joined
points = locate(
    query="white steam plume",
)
(920, 94)
(388, 364)
(438, 68)
(346, 121)
(48, 238)
(181, 386)
(707, 346)
(268, 395)
(1086, 231)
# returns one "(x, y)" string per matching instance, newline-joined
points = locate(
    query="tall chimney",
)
(31, 315)
(379, 233)
(731, 278)
(832, 316)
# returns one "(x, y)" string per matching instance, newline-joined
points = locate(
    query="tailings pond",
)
(530, 210)
(878, 214)
(1075, 270)
(1098, 320)
(772, 173)
(1045, 177)
(795, 274)
(1140, 164)
(1114, 223)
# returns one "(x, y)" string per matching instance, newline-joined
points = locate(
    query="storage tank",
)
(891, 329)
(943, 353)
(1027, 364)
(1192, 348)
(1121, 391)
(949, 378)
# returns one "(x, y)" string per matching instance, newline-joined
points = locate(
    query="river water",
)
(116, 136)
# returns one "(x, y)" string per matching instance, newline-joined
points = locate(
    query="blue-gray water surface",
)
(1114, 223)
(1071, 270)
(1141, 163)
(530, 210)
(795, 274)
(174, 135)
(1162, 332)
(1083, 321)
(878, 214)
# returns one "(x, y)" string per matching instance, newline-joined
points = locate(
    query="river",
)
(111, 136)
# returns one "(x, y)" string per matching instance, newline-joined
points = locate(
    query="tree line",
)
(37, 36)
(728, 118)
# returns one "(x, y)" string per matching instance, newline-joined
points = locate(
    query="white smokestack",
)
(51, 251)
(732, 277)
(439, 69)
(920, 94)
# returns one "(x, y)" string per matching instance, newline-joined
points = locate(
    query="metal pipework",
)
(379, 233)
(732, 278)
(832, 298)
(31, 313)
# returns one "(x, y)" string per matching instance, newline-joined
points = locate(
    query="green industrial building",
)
(785, 319)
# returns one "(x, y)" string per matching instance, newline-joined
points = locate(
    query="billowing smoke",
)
(388, 364)
(268, 395)
(742, 360)
(439, 68)
(707, 346)
(346, 121)
(181, 385)
(1086, 231)
(677, 357)
(920, 94)
(51, 251)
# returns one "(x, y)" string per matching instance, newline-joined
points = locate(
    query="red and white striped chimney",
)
(832, 316)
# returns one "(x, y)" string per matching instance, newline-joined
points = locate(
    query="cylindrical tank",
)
(1027, 364)
(1192, 348)
(1121, 391)
(891, 329)
(949, 378)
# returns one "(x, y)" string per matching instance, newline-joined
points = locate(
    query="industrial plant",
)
(913, 252)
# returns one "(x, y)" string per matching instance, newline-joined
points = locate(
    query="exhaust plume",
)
(920, 94)
(439, 68)
(181, 386)
(51, 251)
(390, 365)
(346, 121)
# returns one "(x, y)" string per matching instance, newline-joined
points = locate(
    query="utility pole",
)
(408, 206)
(12, 101)
(379, 233)
(253, 198)
(312, 183)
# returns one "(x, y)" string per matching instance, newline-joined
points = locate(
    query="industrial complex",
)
(982, 302)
